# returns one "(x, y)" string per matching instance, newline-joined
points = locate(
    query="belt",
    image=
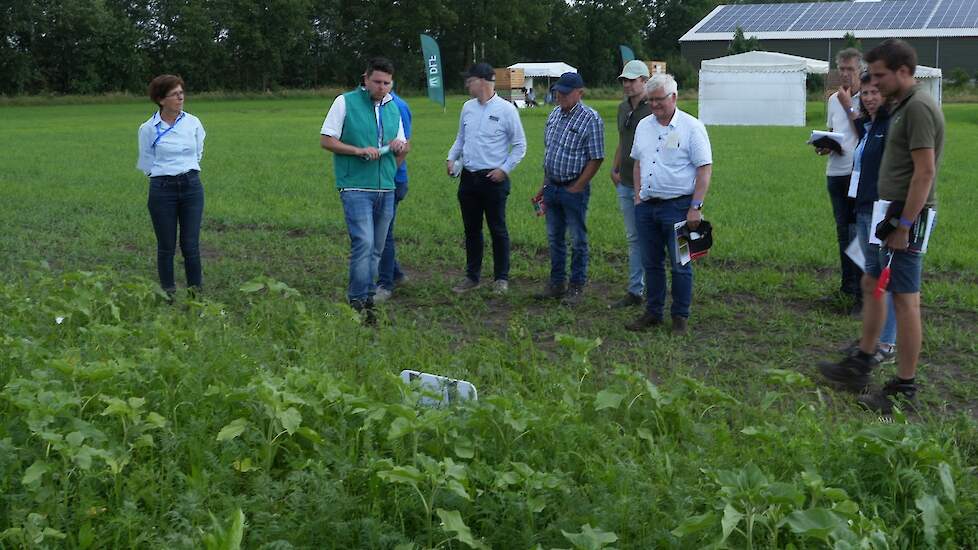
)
(657, 200)
(483, 173)
(567, 183)
(179, 177)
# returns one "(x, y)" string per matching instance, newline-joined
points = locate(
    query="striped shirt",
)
(571, 140)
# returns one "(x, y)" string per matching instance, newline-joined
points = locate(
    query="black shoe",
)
(646, 321)
(574, 296)
(882, 356)
(852, 373)
(901, 394)
(679, 326)
(366, 310)
(856, 311)
(551, 292)
(628, 300)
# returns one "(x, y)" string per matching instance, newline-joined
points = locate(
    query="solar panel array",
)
(848, 16)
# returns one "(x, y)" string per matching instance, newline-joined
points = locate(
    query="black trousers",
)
(479, 197)
(844, 212)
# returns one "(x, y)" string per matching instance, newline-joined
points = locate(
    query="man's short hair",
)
(664, 81)
(379, 64)
(848, 53)
(894, 53)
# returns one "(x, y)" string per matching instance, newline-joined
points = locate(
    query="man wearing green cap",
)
(631, 110)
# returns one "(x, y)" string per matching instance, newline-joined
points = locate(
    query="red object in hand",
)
(539, 207)
(884, 280)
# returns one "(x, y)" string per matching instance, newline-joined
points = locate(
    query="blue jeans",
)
(368, 218)
(177, 201)
(478, 197)
(843, 210)
(655, 222)
(567, 211)
(863, 227)
(389, 270)
(636, 271)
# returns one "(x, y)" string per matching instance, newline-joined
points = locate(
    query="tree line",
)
(97, 46)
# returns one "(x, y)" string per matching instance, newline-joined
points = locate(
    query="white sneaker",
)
(500, 286)
(381, 295)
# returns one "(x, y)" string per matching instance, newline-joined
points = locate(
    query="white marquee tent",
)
(544, 70)
(768, 88)
(756, 88)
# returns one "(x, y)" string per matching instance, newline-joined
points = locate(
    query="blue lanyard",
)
(159, 134)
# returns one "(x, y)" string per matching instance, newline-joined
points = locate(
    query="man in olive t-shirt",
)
(908, 174)
(631, 110)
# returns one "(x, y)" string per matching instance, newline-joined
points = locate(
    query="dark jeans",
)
(844, 211)
(389, 270)
(655, 223)
(177, 201)
(479, 196)
(567, 212)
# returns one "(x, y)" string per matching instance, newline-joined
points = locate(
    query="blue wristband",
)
(906, 223)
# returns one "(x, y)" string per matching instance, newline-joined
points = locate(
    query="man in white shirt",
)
(490, 143)
(673, 166)
(842, 107)
(364, 131)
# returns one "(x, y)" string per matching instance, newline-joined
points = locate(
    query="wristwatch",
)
(696, 205)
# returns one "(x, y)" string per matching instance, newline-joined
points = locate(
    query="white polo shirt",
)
(838, 121)
(670, 154)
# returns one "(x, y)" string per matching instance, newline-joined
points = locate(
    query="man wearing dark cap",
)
(490, 143)
(573, 151)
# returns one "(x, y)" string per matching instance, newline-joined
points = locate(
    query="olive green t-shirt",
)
(627, 122)
(916, 123)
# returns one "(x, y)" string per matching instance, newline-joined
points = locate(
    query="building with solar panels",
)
(944, 32)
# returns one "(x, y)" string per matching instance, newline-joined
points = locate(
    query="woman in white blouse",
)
(171, 144)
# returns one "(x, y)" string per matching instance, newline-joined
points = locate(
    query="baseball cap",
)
(481, 70)
(568, 82)
(634, 69)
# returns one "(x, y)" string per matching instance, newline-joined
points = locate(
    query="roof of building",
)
(863, 18)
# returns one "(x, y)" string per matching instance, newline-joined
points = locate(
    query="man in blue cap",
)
(573, 151)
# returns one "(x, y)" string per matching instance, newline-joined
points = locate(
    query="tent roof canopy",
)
(765, 62)
(552, 69)
(774, 62)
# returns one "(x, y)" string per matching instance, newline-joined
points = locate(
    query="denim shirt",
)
(868, 155)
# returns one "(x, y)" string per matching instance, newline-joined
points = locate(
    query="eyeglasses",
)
(658, 99)
(175, 94)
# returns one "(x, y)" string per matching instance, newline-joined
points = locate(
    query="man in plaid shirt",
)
(574, 149)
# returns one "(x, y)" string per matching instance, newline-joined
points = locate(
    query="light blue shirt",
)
(170, 151)
(489, 136)
(670, 154)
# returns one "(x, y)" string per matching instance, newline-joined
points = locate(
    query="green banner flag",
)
(626, 54)
(432, 69)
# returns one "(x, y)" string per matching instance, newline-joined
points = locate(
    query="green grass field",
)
(263, 415)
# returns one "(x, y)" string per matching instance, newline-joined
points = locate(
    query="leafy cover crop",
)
(126, 421)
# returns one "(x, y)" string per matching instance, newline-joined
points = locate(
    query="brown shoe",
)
(646, 321)
(678, 325)
(551, 291)
(628, 300)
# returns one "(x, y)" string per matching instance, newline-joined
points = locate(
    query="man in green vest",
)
(364, 132)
